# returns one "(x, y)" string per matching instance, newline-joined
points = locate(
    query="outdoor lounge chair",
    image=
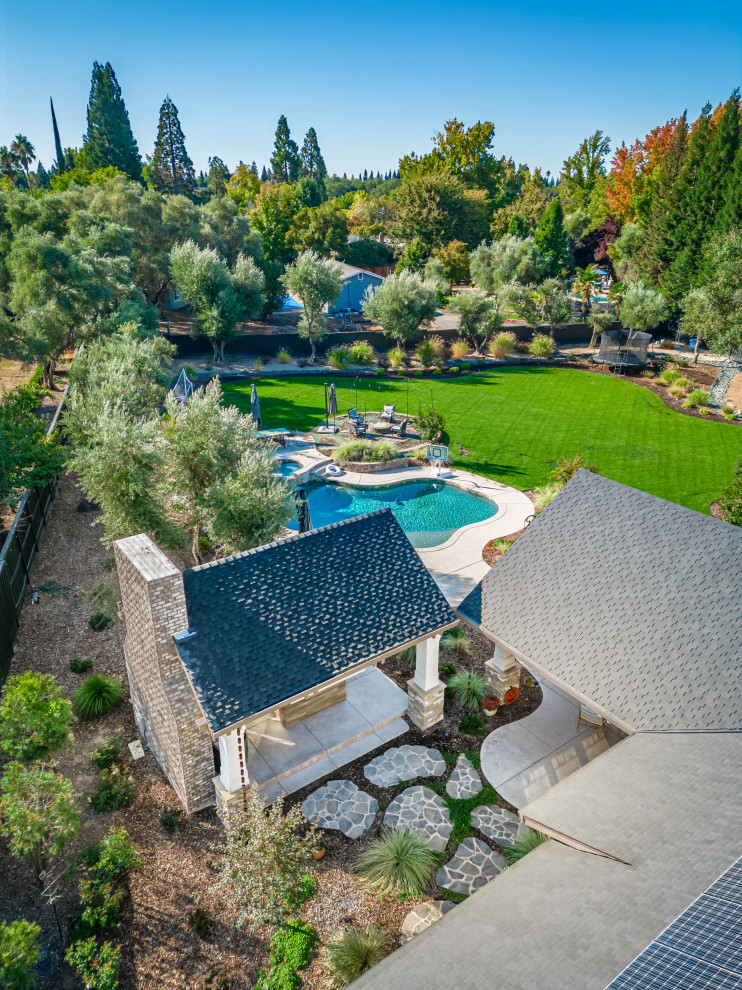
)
(353, 415)
(590, 720)
(401, 430)
(356, 429)
(388, 413)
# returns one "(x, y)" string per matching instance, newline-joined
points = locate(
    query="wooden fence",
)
(17, 556)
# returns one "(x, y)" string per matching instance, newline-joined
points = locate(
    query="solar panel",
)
(700, 950)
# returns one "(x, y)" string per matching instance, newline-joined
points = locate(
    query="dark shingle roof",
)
(632, 601)
(276, 621)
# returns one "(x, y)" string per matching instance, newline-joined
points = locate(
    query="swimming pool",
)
(287, 468)
(428, 511)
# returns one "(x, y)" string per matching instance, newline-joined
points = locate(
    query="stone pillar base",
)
(226, 801)
(500, 681)
(425, 708)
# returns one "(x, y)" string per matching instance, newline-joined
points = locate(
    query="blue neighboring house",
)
(355, 283)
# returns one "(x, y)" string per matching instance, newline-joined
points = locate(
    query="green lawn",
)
(515, 423)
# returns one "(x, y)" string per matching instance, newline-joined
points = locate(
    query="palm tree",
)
(25, 154)
(8, 162)
(584, 286)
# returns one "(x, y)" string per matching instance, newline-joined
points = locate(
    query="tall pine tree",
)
(312, 162)
(285, 162)
(731, 214)
(656, 253)
(550, 237)
(109, 139)
(60, 163)
(172, 169)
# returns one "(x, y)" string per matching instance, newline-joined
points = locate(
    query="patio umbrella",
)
(332, 403)
(302, 511)
(255, 407)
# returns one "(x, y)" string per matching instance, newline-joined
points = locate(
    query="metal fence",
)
(17, 556)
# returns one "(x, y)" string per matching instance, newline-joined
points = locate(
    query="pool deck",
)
(456, 565)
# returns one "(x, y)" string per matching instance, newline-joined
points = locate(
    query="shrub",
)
(19, 953)
(527, 841)
(669, 376)
(97, 695)
(437, 371)
(544, 495)
(399, 861)
(456, 639)
(337, 358)
(199, 922)
(695, 398)
(396, 357)
(361, 352)
(468, 688)
(306, 888)
(567, 467)
(731, 500)
(115, 790)
(728, 410)
(105, 597)
(542, 346)
(34, 717)
(431, 425)
(682, 383)
(459, 349)
(169, 818)
(294, 943)
(379, 372)
(258, 365)
(96, 965)
(465, 366)
(99, 621)
(110, 564)
(704, 411)
(471, 725)
(101, 903)
(447, 669)
(116, 855)
(502, 545)
(667, 345)
(79, 666)
(502, 345)
(38, 812)
(356, 952)
(107, 754)
(283, 356)
(365, 450)
(454, 369)
(280, 976)
(427, 353)
(677, 393)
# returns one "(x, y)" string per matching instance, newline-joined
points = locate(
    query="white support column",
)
(502, 672)
(229, 752)
(425, 690)
(426, 663)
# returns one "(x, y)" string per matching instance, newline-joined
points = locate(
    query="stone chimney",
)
(168, 716)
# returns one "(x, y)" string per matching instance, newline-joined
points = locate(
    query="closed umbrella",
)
(255, 407)
(332, 404)
(302, 511)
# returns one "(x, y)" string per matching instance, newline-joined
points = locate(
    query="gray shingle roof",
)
(284, 618)
(632, 601)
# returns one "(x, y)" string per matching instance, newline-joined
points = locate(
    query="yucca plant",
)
(525, 843)
(468, 689)
(97, 695)
(399, 861)
(355, 952)
(456, 639)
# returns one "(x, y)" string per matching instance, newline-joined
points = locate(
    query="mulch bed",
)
(158, 948)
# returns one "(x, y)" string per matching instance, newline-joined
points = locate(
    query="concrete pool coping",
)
(456, 565)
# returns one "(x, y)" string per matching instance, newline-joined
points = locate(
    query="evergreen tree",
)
(285, 162)
(731, 215)
(312, 162)
(109, 139)
(365, 175)
(172, 169)
(60, 163)
(218, 177)
(254, 168)
(664, 211)
(264, 175)
(42, 178)
(550, 238)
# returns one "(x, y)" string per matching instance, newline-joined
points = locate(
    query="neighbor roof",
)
(348, 271)
(631, 602)
(668, 804)
(273, 622)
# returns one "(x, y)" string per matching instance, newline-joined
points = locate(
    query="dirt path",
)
(733, 395)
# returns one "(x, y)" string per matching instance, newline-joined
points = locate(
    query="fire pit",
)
(380, 426)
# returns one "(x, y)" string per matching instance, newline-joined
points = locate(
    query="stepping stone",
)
(422, 812)
(339, 804)
(422, 916)
(404, 763)
(496, 823)
(474, 864)
(464, 781)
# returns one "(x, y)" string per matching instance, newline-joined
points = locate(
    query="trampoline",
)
(623, 349)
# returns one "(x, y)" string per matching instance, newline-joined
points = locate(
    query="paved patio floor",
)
(283, 759)
(524, 759)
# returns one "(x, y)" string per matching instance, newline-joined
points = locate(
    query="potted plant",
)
(490, 703)
(319, 851)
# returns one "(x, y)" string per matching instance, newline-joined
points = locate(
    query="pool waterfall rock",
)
(376, 467)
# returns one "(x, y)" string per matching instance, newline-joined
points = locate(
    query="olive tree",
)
(511, 259)
(713, 311)
(317, 283)
(221, 297)
(553, 304)
(479, 316)
(401, 305)
(38, 812)
(642, 309)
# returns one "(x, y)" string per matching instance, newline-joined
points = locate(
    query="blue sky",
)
(376, 79)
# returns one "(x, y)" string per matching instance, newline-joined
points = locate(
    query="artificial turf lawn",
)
(516, 422)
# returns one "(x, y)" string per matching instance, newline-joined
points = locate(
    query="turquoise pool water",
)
(428, 511)
(287, 468)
